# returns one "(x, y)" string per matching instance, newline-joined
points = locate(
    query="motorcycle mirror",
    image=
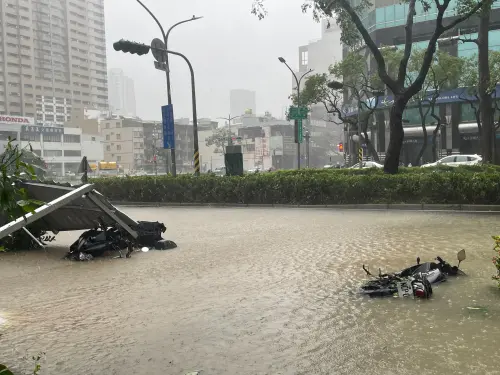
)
(145, 249)
(460, 256)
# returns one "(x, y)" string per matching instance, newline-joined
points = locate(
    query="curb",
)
(372, 207)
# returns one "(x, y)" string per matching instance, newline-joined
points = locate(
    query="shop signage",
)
(470, 137)
(16, 120)
(41, 129)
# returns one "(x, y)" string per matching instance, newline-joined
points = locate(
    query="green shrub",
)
(312, 187)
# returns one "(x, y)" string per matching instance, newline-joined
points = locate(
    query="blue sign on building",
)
(167, 115)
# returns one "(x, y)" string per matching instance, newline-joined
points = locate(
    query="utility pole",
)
(142, 49)
(167, 70)
(298, 123)
(229, 119)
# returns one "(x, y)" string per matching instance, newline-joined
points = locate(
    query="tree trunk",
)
(391, 164)
(424, 146)
(369, 146)
(485, 100)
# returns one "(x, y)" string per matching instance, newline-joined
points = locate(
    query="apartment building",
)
(52, 58)
(123, 142)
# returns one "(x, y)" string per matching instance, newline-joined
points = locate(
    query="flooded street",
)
(258, 291)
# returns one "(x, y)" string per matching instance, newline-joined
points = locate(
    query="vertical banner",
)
(167, 115)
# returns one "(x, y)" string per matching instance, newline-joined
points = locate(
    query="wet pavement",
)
(257, 291)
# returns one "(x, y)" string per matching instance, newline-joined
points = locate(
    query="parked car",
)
(368, 164)
(456, 160)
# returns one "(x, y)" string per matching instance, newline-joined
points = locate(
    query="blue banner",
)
(167, 116)
(461, 94)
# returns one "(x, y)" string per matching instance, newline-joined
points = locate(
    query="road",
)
(257, 291)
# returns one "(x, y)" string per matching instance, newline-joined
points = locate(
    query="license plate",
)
(405, 289)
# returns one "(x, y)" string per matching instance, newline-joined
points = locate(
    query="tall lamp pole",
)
(165, 40)
(297, 80)
(229, 119)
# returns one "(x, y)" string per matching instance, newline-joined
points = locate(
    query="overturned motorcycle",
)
(414, 281)
(103, 240)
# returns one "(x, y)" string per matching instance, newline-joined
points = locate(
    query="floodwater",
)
(257, 291)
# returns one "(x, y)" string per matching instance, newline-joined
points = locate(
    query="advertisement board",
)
(15, 120)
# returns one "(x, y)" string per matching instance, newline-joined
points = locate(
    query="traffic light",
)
(131, 47)
(341, 147)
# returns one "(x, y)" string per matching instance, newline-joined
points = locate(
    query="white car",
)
(456, 160)
(368, 164)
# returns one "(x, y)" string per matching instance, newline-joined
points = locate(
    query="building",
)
(123, 142)
(269, 142)
(121, 93)
(385, 21)
(53, 58)
(319, 55)
(61, 148)
(241, 101)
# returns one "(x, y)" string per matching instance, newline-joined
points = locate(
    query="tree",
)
(481, 97)
(14, 201)
(349, 18)
(358, 86)
(219, 138)
(444, 73)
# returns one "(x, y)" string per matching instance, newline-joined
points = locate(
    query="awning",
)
(68, 209)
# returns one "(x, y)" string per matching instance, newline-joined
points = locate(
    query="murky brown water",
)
(258, 291)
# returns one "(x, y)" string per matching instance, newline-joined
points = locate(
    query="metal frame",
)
(64, 200)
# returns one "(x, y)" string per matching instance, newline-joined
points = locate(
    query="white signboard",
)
(405, 289)
(12, 120)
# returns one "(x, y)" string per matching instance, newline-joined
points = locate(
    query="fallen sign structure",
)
(84, 208)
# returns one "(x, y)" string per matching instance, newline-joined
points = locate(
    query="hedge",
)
(422, 185)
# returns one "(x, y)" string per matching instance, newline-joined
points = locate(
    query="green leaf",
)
(4, 370)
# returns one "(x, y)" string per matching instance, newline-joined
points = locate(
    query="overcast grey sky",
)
(229, 49)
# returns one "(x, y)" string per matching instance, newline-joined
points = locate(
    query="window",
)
(32, 137)
(118, 158)
(118, 136)
(118, 147)
(448, 159)
(108, 148)
(461, 158)
(304, 58)
(52, 153)
(72, 152)
(52, 137)
(71, 138)
(107, 137)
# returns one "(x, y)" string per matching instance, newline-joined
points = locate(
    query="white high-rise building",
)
(121, 93)
(241, 101)
(52, 58)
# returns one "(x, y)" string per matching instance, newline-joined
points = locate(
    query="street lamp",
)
(283, 61)
(229, 119)
(167, 71)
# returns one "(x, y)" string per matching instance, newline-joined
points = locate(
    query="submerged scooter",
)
(414, 281)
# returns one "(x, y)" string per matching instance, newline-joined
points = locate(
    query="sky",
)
(229, 49)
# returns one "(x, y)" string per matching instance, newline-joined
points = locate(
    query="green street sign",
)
(298, 113)
(300, 135)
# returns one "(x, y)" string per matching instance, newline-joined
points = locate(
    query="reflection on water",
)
(259, 291)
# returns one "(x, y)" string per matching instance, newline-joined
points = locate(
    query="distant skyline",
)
(226, 52)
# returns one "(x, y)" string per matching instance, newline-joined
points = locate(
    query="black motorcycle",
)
(102, 240)
(414, 281)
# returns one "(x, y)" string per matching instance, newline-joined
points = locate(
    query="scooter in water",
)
(415, 281)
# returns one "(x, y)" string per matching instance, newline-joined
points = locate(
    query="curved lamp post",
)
(297, 80)
(169, 95)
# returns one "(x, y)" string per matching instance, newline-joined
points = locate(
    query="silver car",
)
(456, 160)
